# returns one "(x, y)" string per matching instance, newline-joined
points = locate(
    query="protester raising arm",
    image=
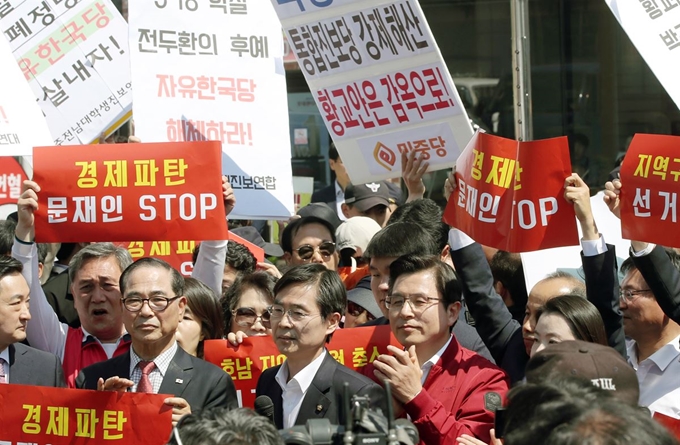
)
(599, 264)
(652, 261)
(44, 332)
(412, 171)
(501, 334)
(209, 267)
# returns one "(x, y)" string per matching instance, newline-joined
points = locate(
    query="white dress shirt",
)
(162, 363)
(427, 366)
(4, 355)
(659, 377)
(294, 390)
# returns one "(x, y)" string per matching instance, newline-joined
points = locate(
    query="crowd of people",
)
(483, 359)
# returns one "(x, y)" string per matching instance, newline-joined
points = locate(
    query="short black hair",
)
(401, 238)
(333, 152)
(507, 268)
(294, 227)
(570, 411)
(9, 266)
(177, 278)
(428, 215)
(218, 426)
(448, 285)
(331, 295)
(7, 230)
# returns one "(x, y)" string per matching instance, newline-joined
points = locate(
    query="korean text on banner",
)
(34, 414)
(214, 71)
(649, 197)
(380, 82)
(119, 192)
(178, 254)
(22, 125)
(654, 28)
(510, 194)
(355, 348)
(74, 56)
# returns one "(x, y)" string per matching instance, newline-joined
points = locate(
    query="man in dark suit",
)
(309, 301)
(334, 194)
(153, 307)
(18, 363)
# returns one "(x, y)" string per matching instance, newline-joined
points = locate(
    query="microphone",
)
(265, 407)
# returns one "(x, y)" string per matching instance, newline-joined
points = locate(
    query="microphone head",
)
(264, 406)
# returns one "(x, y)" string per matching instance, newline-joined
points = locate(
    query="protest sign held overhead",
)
(649, 198)
(355, 348)
(653, 27)
(380, 83)
(59, 416)
(214, 71)
(22, 125)
(168, 191)
(510, 194)
(74, 56)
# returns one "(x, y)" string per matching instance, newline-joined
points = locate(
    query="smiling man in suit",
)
(308, 304)
(153, 305)
(18, 363)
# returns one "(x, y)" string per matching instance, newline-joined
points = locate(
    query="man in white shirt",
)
(309, 302)
(654, 351)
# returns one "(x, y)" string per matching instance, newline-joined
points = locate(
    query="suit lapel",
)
(19, 370)
(178, 375)
(316, 401)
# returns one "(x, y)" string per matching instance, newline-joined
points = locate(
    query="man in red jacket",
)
(445, 389)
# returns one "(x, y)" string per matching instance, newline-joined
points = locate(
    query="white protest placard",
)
(74, 55)
(380, 82)
(22, 125)
(214, 71)
(654, 28)
(539, 264)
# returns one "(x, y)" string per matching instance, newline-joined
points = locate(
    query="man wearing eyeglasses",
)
(153, 306)
(650, 303)
(308, 304)
(445, 389)
(94, 273)
(310, 240)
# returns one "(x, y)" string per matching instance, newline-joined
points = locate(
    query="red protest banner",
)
(649, 198)
(176, 253)
(12, 175)
(58, 416)
(179, 254)
(672, 424)
(119, 192)
(510, 194)
(354, 348)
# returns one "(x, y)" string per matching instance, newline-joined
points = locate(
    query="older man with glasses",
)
(445, 389)
(310, 240)
(153, 305)
(308, 304)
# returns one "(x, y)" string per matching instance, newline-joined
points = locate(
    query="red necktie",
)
(3, 376)
(144, 384)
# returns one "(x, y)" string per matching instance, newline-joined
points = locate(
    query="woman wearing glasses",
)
(245, 304)
(202, 318)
